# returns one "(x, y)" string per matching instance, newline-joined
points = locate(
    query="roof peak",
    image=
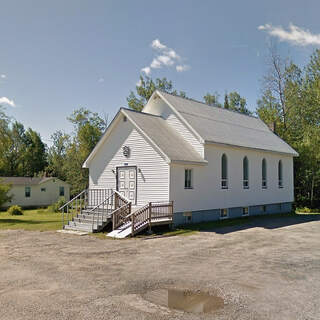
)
(208, 105)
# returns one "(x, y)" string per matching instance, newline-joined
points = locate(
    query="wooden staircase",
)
(93, 209)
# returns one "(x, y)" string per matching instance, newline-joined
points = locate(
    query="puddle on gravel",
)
(185, 300)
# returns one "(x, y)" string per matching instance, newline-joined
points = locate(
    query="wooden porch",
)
(93, 209)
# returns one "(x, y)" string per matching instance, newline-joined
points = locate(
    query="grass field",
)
(36, 220)
(46, 220)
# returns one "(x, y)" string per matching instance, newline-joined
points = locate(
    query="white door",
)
(127, 182)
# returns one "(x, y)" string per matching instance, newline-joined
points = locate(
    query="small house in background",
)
(36, 192)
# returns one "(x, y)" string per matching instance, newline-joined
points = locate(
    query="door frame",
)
(117, 180)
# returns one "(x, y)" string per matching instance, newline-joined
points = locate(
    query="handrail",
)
(122, 208)
(137, 211)
(98, 205)
(74, 198)
(117, 218)
(122, 196)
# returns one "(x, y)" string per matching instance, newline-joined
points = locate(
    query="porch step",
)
(78, 228)
(90, 219)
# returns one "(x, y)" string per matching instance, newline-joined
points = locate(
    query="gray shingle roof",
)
(223, 126)
(25, 180)
(170, 143)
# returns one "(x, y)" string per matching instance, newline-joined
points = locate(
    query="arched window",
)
(245, 170)
(224, 172)
(264, 174)
(280, 177)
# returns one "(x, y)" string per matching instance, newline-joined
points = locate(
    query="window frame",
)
(61, 188)
(245, 173)
(224, 216)
(43, 189)
(27, 194)
(264, 175)
(280, 174)
(224, 175)
(243, 210)
(188, 178)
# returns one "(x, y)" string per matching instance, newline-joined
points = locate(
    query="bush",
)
(15, 211)
(308, 210)
(60, 202)
(4, 193)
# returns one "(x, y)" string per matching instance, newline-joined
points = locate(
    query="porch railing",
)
(123, 209)
(110, 205)
(149, 214)
(86, 199)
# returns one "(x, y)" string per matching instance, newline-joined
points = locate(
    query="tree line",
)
(290, 101)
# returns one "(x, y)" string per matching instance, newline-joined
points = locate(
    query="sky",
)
(57, 56)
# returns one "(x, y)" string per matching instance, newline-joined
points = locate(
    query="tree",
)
(88, 129)
(35, 157)
(145, 89)
(238, 103)
(226, 101)
(4, 193)
(291, 100)
(57, 154)
(212, 99)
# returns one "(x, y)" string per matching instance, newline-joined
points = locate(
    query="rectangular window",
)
(245, 184)
(43, 189)
(61, 191)
(27, 192)
(188, 178)
(264, 184)
(224, 184)
(223, 213)
(245, 211)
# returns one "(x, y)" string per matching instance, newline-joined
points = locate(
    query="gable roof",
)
(26, 180)
(221, 126)
(171, 146)
(162, 135)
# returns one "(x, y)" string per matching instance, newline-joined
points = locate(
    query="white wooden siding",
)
(207, 192)
(153, 176)
(160, 108)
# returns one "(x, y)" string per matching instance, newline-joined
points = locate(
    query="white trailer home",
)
(36, 192)
(204, 162)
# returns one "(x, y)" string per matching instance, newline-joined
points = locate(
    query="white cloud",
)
(294, 35)
(3, 76)
(155, 64)
(165, 57)
(166, 60)
(156, 44)
(182, 67)
(146, 70)
(6, 101)
(101, 80)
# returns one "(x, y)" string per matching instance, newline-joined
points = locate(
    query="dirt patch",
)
(265, 272)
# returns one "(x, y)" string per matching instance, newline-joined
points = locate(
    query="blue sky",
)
(57, 56)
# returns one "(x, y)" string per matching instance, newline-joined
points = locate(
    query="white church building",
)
(211, 162)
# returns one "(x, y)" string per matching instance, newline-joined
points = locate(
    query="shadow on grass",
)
(273, 221)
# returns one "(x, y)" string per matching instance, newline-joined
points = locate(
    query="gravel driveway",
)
(266, 271)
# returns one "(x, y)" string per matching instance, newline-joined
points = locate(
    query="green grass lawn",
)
(36, 220)
(46, 220)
